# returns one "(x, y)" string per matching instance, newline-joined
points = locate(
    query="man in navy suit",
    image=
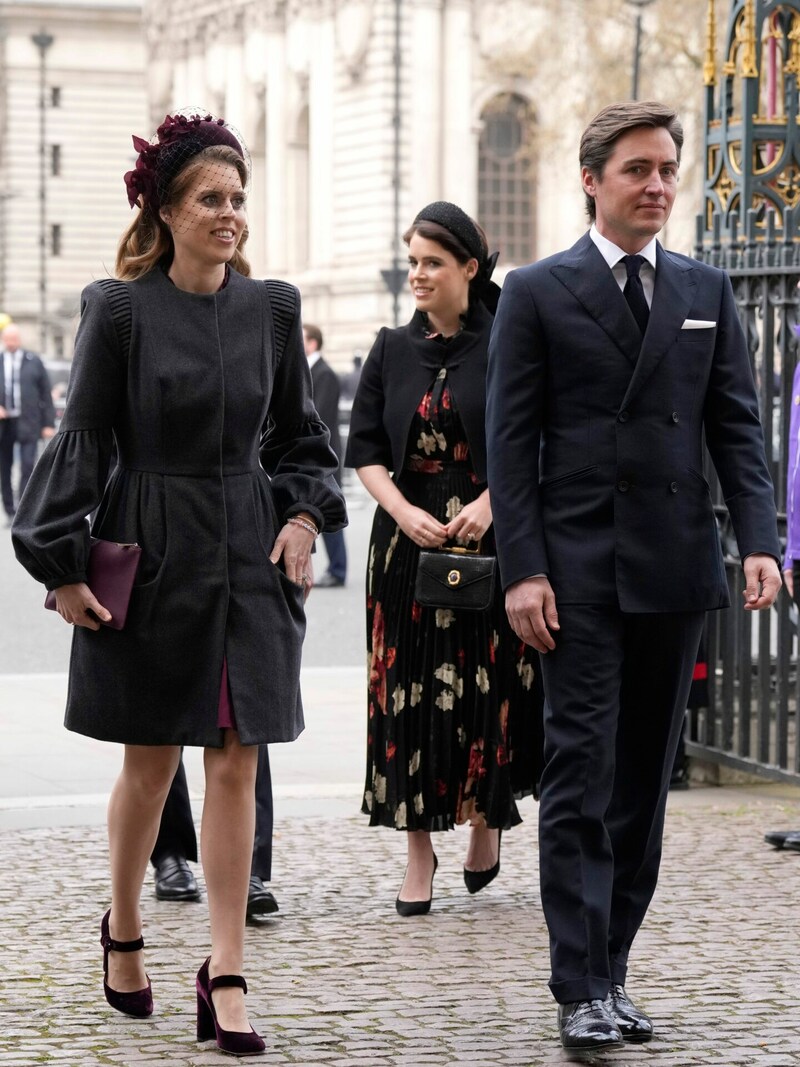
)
(608, 363)
(27, 414)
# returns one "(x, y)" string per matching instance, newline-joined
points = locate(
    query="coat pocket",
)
(570, 476)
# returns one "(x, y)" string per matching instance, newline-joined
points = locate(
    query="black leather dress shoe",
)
(174, 880)
(633, 1024)
(328, 581)
(586, 1024)
(783, 838)
(260, 901)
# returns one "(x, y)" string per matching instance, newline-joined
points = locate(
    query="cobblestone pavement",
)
(340, 980)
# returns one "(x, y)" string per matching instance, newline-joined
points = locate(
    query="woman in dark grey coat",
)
(224, 477)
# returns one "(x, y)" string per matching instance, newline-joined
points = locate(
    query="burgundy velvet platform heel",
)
(139, 1003)
(234, 1042)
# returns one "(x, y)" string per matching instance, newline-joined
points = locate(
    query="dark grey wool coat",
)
(218, 443)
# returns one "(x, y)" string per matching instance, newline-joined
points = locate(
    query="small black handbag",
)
(457, 578)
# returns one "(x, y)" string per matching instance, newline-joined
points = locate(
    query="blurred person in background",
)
(27, 415)
(326, 391)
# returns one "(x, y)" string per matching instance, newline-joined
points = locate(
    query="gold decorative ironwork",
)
(787, 185)
(724, 188)
(762, 164)
(710, 64)
(792, 65)
(749, 60)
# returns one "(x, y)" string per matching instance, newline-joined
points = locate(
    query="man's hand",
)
(531, 610)
(47, 433)
(763, 579)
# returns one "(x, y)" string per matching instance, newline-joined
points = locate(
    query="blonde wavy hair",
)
(148, 241)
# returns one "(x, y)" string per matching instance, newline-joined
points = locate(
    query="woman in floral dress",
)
(454, 731)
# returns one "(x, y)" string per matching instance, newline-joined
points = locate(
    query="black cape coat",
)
(218, 443)
(400, 369)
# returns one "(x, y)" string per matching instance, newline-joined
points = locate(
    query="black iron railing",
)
(754, 688)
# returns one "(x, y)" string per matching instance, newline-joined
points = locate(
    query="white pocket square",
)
(698, 324)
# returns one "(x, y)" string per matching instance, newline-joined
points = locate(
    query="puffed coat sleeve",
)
(51, 530)
(368, 442)
(295, 445)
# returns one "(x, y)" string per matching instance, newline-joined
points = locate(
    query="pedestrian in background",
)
(611, 365)
(224, 477)
(27, 415)
(326, 390)
(454, 728)
(790, 839)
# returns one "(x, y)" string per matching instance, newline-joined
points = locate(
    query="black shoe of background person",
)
(328, 581)
(679, 779)
(633, 1024)
(587, 1024)
(779, 838)
(792, 842)
(260, 901)
(174, 880)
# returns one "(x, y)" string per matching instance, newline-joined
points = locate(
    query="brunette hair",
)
(313, 333)
(148, 241)
(605, 129)
(434, 231)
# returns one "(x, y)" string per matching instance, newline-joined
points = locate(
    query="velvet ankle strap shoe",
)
(234, 1042)
(139, 1003)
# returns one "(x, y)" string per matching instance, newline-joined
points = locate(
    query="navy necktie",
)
(634, 293)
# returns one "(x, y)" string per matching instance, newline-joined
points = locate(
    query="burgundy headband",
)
(178, 139)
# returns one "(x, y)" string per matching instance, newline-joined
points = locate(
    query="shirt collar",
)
(612, 253)
(315, 357)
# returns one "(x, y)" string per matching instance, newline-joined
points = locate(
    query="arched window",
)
(507, 178)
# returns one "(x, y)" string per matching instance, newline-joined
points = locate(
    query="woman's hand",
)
(74, 601)
(423, 529)
(788, 581)
(472, 521)
(294, 544)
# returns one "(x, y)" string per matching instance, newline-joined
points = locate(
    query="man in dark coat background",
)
(26, 412)
(608, 363)
(326, 391)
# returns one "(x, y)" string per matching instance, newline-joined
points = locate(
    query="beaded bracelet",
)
(295, 520)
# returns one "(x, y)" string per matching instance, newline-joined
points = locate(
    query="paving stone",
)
(342, 981)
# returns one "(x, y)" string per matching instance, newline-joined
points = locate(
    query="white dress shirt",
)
(614, 256)
(12, 362)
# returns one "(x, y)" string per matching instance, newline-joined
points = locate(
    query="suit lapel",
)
(583, 271)
(674, 293)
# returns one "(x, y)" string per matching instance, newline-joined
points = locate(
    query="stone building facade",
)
(94, 98)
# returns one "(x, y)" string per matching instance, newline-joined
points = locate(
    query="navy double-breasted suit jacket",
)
(595, 434)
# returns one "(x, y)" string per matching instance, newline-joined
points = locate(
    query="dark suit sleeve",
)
(47, 411)
(514, 412)
(326, 397)
(295, 447)
(735, 439)
(368, 442)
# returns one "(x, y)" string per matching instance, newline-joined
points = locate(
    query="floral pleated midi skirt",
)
(454, 697)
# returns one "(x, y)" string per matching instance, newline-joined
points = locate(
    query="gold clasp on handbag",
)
(453, 577)
(462, 550)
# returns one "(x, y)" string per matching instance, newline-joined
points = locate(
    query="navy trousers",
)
(616, 688)
(337, 554)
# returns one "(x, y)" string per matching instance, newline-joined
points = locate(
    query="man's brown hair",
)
(605, 129)
(313, 333)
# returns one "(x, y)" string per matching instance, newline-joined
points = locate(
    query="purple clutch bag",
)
(110, 576)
